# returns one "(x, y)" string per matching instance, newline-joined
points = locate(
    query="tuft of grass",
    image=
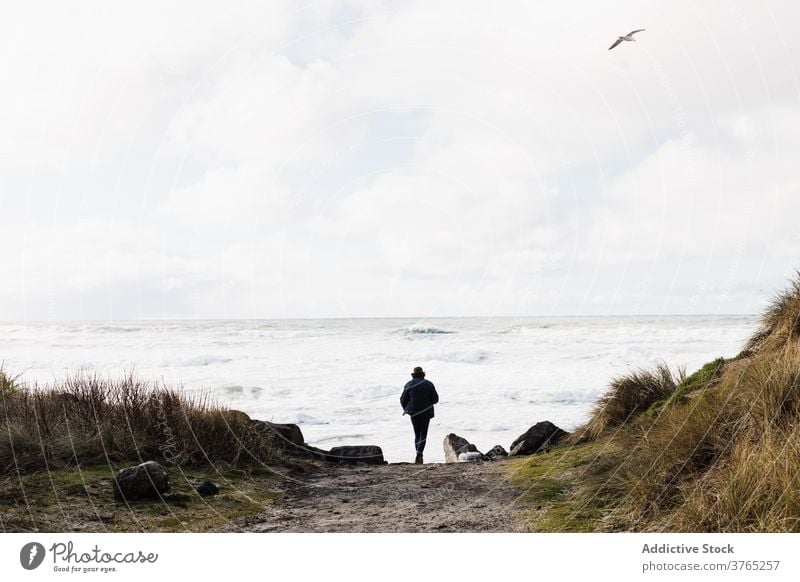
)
(703, 378)
(628, 396)
(89, 420)
(7, 385)
(780, 323)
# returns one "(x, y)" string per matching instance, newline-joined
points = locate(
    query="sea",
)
(340, 379)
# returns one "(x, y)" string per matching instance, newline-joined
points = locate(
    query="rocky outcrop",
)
(290, 439)
(454, 445)
(496, 452)
(540, 436)
(370, 454)
(146, 481)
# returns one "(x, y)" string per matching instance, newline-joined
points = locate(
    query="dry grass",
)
(7, 385)
(627, 397)
(717, 451)
(727, 461)
(88, 420)
(780, 323)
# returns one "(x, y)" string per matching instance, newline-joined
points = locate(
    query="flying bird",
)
(628, 37)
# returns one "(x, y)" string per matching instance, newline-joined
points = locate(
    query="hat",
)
(418, 372)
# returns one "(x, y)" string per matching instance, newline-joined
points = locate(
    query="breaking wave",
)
(420, 329)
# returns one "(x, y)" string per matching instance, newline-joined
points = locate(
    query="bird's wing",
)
(616, 42)
(631, 33)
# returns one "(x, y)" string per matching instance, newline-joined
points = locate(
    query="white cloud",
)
(365, 158)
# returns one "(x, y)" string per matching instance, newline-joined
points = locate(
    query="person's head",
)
(418, 373)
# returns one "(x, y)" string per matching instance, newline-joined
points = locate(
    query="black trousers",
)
(420, 424)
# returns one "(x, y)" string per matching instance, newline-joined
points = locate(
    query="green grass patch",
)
(552, 483)
(699, 380)
(702, 378)
(81, 500)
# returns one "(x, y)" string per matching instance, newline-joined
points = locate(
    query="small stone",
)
(146, 481)
(495, 453)
(207, 489)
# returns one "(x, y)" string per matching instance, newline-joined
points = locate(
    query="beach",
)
(340, 379)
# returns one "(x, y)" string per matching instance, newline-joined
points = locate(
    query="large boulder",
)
(289, 434)
(146, 481)
(495, 453)
(454, 445)
(370, 454)
(289, 437)
(540, 435)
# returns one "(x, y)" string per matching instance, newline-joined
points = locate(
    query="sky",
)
(360, 158)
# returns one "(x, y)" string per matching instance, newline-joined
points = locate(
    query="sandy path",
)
(459, 497)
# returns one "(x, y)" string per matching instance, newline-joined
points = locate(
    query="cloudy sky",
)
(397, 158)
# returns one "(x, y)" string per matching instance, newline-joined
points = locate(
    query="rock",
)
(285, 434)
(370, 454)
(290, 433)
(541, 434)
(207, 489)
(475, 457)
(146, 481)
(288, 437)
(454, 445)
(495, 453)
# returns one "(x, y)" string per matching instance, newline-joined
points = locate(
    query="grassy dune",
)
(60, 447)
(718, 450)
(89, 420)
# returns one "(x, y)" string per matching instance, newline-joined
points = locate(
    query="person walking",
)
(418, 397)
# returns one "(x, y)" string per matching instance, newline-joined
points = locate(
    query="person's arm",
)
(434, 395)
(404, 399)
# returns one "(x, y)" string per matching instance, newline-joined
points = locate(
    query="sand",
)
(458, 497)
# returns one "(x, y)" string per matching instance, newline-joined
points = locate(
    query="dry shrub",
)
(89, 419)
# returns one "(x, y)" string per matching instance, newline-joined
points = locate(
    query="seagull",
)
(628, 36)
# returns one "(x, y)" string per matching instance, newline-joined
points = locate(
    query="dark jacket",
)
(418, 398)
